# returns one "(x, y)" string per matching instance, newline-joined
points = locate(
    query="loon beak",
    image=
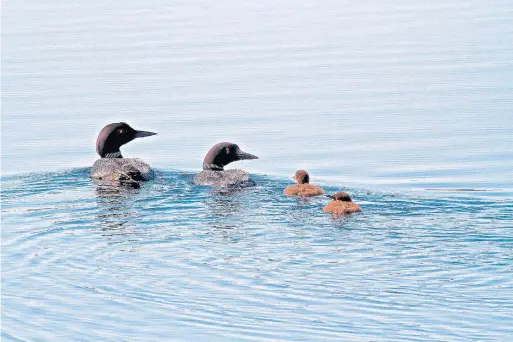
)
(142, 134)
(243, 155)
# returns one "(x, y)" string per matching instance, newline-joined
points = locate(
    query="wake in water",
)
(174, 260)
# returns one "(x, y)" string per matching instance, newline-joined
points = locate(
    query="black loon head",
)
(302, 177)
(223, 154)
(115, 135)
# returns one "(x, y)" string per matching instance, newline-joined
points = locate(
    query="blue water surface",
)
(175, 261)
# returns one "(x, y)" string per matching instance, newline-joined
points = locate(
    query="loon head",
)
(115, 135)
(223, 154)
(341, 196)
(302, 177)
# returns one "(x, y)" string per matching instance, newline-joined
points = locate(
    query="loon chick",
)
(213, 173)
(112, 166)
(342, 204)
(303, 188)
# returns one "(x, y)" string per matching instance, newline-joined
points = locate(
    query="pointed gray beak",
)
(243, 155)
(142, 134)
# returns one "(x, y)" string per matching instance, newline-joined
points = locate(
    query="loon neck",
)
(113, 155)
(212, 167)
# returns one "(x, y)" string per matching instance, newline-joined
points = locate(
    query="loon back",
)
(233, 178)
(121, 169)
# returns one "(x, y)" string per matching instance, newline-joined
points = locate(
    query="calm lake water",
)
(399, 104)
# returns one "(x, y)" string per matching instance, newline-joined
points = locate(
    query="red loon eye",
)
(122, 131)
(228, 150)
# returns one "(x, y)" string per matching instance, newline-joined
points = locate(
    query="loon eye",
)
(228, 150)
(122, 131)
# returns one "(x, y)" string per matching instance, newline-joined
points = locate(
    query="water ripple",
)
(174, 259)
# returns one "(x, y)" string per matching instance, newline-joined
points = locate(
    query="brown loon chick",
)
(342, 204)
(112, 166)
(213, 173)
(303, 188)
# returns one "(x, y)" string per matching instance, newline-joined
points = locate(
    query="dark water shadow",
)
(116, 203)
(225, 208)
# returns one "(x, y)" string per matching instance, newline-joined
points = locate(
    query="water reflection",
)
(116, 206)
(225, 207)
(303, 208)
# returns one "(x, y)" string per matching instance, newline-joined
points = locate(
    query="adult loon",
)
(112, 166)
(213, 173)
(303, 188)
(342, 204)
